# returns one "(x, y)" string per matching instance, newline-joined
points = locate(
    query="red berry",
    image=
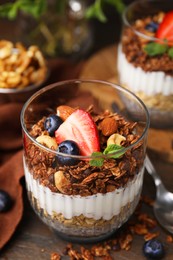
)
(165, 29)
(79, 127)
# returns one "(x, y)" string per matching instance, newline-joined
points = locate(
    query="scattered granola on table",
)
(122, 239)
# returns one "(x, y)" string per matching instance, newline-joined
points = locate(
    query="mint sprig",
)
(111, 149)
(155, 48)
(11, 10)
(36, 8)
(98, 162)
(96, 9)
(114, 148)
(170, 52)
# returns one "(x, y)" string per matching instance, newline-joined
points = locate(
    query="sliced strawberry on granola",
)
(165, 29)
(79, 127)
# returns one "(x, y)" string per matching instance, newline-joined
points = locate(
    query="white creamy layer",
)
(95, 206)
(137, 80)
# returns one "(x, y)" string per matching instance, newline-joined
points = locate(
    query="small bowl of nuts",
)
(22, 71)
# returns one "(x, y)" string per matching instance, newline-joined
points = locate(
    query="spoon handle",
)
(152, 171)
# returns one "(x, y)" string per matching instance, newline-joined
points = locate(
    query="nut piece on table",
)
(115, 139)
(47, 141)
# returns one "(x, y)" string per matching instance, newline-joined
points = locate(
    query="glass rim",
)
(143, 35)
(90, 81)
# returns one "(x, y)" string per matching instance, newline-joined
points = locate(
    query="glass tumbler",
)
(145, 57)
(84, 196)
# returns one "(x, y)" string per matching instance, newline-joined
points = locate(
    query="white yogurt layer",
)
(138, 80)
(95, 206)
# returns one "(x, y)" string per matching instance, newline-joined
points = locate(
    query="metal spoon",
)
(163, 206)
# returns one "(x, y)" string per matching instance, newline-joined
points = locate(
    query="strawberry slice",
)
(165, 30)
(79, 127)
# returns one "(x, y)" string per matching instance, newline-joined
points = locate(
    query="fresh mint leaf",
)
(154, 48)
(98, 162)
(36, 9)
(170, 52)
(114, 148)
(95, 11)
(13, 11)
(5, 10)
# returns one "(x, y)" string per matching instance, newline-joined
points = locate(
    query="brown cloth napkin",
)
(11, 167)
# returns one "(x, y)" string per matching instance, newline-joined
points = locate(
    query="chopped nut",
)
(60, 181)
(115, 139)
(55, 256)
(13, 79)
(99, 250)
(64, 112)
(150, 236)
(47, 141)
(86, 254)
(149, 222)
(169, 239)
(125, 242)
(140, 229)
(15, 63)
(108, 126)
(5, 49)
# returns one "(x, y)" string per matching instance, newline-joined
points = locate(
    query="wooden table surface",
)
(34, 240)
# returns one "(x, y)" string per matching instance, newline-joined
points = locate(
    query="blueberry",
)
(153, 249)
(5, 201)
(68, 147)
(52, 123)
(152, 27)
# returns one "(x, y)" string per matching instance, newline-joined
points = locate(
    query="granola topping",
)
(82, 178)
(133, 46)
(89, 197)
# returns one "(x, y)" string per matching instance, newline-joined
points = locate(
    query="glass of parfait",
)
(145, 57)
(84, 157)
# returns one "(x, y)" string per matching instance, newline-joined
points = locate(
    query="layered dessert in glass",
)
(84, 159)
(145, 57)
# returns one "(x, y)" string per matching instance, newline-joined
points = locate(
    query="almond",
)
(108, 126)
(64, 111)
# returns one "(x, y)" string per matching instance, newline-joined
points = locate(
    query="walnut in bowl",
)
(22, 71)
